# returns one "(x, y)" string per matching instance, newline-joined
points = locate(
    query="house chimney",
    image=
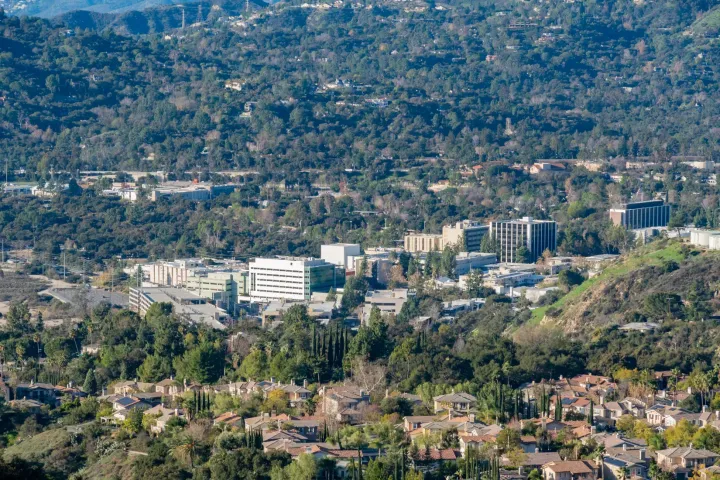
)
(704, 408)
(305, 383)
(177, 412)
(641, 454)
(690, 390)
(624, 447)
(537, 450)
(292, 382)
(272, 379)
(387, 392)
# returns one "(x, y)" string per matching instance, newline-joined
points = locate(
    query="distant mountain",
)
(157, 19)
(52, 8)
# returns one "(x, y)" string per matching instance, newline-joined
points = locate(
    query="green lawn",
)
(642, 257)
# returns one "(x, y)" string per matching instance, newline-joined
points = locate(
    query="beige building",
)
(467, 233)
(423, 242)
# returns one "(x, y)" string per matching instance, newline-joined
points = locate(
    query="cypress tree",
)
(591, 416)
(313, 346)
(558, 408)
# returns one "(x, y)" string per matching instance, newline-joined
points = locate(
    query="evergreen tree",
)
(90, 385)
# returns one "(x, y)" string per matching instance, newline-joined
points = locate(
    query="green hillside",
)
(620, 293)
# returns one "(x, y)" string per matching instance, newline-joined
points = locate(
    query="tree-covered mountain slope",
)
(388, 86)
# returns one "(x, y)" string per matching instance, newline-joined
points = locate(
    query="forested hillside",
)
(370, 87)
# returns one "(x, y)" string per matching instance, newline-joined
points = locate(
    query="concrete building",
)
(638, 215)
(186, 305)
(467, 233)
(535, 235)
(292, 278)
(190, 190)
(423, 242)
(172, 274)
(339, 253)
(220, 287)
(466, 261)
(387, 301)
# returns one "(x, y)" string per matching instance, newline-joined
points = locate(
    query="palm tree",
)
(185, 451)
(673, 382)
(20, 352)
(624, 472)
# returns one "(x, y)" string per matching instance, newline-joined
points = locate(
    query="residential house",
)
(169, 387)
(131, 386)
(306, 426)
(296, 394)
(570, 470)
(455, 402)
(682, 461)
(532, 460)
(42, 392)
(229, 419)
(625, 463)
(164, 415)
(25, 405)
(343, 403)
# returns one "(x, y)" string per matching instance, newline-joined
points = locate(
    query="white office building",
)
(339, 253)
(535, 235)
(292, 278)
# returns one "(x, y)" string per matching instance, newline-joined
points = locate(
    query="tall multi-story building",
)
(466, 233)
(535, 235)
(292, 278)
(637, 215)
(423, 242)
